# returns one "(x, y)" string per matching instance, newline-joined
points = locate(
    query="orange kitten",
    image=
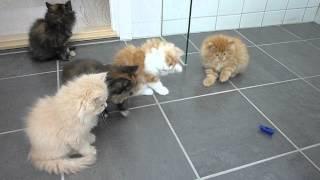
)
(154, 58)
(224, 57)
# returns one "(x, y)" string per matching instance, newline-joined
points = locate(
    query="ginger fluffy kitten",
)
(59, 125)
(154, 58)
(224, 57)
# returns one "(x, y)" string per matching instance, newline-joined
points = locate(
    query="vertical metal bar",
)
(189, 23)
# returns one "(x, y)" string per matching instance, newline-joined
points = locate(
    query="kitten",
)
(59, 125)
(48, 37)
(121, 80)
(155, 58)
(224, 57)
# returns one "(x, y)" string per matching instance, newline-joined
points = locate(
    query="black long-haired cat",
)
(48, 37)
(121, 80)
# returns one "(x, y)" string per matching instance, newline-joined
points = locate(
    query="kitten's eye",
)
(217, 55)
(224, 54)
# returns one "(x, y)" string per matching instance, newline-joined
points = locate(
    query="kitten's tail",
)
(64, 165)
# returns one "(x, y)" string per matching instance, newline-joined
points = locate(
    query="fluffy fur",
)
(224, 57)
(48, 37)
(121, 80)
(60, 125)
(154, 58)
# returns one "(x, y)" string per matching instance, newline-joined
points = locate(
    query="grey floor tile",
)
(300, 57)
(17, 95)
(315, 42)
(197, 38)
(14, 162)
(21, 64)
(181, 42)
(140, 147)
(102, 52)
(221, 132)
(262, 69)
(293, 167)
(314, 154)
(304, 30)
(293, 107)
(266, 35)
(314, 81)
(189, 82)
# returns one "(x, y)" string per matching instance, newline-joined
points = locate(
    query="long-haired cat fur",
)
(224, 57)
(155, 58)
(48, 37)
(58, 126)
(121, 80)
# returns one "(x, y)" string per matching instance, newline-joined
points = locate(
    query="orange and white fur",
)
(223, 57)
(155, 58)
(59, 125)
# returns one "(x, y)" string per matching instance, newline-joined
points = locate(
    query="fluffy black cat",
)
(48, 37)
(121, 80)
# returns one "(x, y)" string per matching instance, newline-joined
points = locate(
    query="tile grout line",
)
(27, 75)
(276, 127)
(58, 75)
(286, 42)
(177, 138)
(280, 63)
(12, 131)
(264, 13)
(192, 43)
(293, 34)
(258, 162)
(305, 10)
(285, 12)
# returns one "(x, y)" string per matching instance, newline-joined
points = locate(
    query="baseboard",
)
(21, 40)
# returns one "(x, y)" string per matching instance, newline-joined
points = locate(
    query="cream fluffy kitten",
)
(60, 125)
(224, 57)
(154, 58)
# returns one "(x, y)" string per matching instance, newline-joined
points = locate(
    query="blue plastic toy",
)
(267, 130)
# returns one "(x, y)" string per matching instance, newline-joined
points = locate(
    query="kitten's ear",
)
(210, 44)
(179, 51)
(68, 5)
(48, 5)
(103, 76)
(231, 44)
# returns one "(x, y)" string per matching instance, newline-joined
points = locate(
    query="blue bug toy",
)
(267, 130)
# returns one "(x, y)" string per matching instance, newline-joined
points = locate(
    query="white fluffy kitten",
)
(60, 125)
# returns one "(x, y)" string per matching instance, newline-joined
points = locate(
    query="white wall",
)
(209, 15)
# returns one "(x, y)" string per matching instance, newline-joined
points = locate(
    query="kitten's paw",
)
(72, 53)
(91, 138)
(224, 76)
(147, 92)
(163, 91)
(125, 113)
(208, 82)
(88, 150)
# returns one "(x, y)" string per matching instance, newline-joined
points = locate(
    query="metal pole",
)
(189, 23)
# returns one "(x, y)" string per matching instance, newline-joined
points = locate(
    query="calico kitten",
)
(224, 57)
(48, 37)
(121, 80)
(59, 125)
(155, 58)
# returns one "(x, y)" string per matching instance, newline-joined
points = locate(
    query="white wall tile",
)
(251, 20)
(273, 18)
(297, 3)
(146, 29)
(177, 9)
(317, 18)
(228, 22)
(150, 11)
(310, 14)
(276, 4)
(230, 7)
(202, 8)
(313, 3)
(254, 5)
(174, 26)
(293, 16)
(203, 24)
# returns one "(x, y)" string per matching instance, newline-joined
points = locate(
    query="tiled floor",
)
(194, 132)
